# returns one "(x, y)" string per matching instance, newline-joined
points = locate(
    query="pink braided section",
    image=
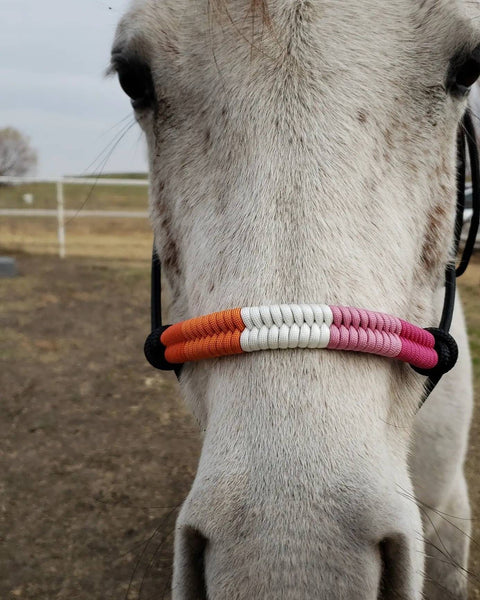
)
(373, 332)
(366, 319)
(363, 330)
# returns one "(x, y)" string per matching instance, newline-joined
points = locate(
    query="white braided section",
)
(286, 326)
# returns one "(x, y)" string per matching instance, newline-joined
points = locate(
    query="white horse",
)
(304, 151)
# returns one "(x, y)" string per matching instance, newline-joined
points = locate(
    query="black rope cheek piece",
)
(470, 136)
(154, 349)
(445, 345)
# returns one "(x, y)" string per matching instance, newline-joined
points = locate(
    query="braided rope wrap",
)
(361, 330)
(286, 326)
(418, 347)
(216, 334)
(314, 326)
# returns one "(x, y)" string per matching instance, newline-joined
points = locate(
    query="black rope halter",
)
(445, 345)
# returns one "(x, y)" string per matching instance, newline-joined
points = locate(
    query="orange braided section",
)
(216, 334)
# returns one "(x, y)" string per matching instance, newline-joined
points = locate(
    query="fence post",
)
(60, 219)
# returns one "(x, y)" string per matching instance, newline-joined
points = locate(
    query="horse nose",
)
(397, 576)
(189, 576)
(229, 548)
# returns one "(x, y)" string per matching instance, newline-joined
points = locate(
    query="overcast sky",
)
(53, 54)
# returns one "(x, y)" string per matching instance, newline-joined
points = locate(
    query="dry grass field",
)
(116, 239)
(108, 238)
(97, 450)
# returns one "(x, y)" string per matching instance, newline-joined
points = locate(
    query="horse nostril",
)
(395, 560)
(190, 567)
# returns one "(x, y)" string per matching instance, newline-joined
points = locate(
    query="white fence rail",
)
(60, 212)
(52, 212)
(76, 180)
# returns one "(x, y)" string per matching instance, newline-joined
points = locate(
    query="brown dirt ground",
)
(97, 451)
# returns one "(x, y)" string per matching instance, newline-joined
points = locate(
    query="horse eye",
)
(135, 80)
(464, 72)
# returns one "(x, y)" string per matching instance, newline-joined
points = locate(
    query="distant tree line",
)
(17, 157)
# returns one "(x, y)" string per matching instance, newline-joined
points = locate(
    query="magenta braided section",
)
(418, 355)
(417, 346)
(361, 330)
(417, 334)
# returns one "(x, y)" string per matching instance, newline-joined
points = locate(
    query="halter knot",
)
(154, 351)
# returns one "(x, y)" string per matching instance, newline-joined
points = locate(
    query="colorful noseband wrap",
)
(291, 326)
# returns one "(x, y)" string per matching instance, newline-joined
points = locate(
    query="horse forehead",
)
(157, 17)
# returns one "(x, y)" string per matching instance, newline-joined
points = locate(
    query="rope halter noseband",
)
(431, 352)
(290, 326)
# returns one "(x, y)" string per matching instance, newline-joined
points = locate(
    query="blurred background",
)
(97, 451)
